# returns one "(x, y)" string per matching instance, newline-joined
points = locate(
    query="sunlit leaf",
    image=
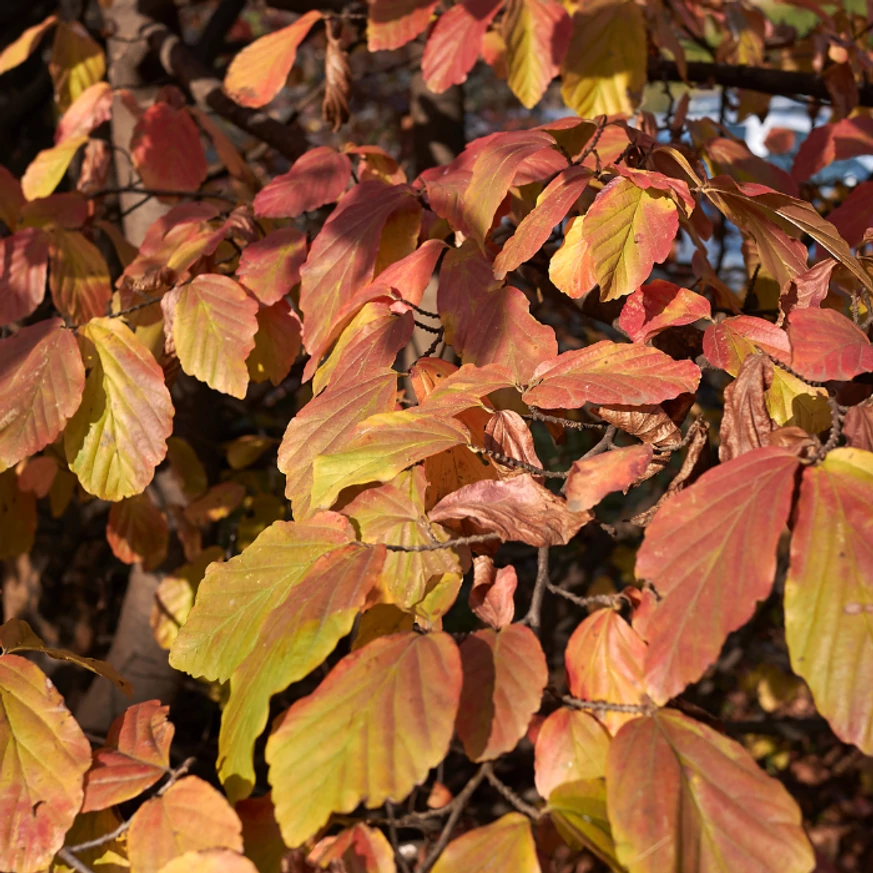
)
(270, 267)
(77, 62)
(47, 169)
(41, 384)
(235, 598)
(19, 50)
(491, 597)
(294, 639)
(591, 479)
(505, 674)
(570, 268)
(711, 585)
(607, 372)
(258, 72)
(571, 745)
(506, 844)
(91, 109)
(106, 856)
(403, 691)
(135, 757)
(166, 149)
(214, 326)
(828, 600)
(210, 861)
(190, 816)
(137, 531)
(827, 345)
(118, 435)
(727, 343)
(683, 797)
(838, 141)
(659, 305)
(45, 756)
(393, 23)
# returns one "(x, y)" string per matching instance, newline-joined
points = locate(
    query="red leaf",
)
(607, 372)
(41, 384)
(342, 259)
(270, 267)
(393, 23)
(166, 149)
(808, 290)
(827, 345)
(23, 271)
(505, 674)
(319, 176)
(258, 73)
(710, 585)
(605, 658)
(491, 597)
(136, 755)
(727, 343)
(277, 343)
(137, 531)
(854, 214)
(591, 479)
(454, 44)
(857, 427)
(359, 848)
(683, 797)
(844, 139)
(517, 509)
(658, 306)
(571, 745)
(536, 227)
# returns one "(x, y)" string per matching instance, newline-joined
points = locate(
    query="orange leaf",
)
(191, 815)
(23, 271)
(258, 73)
(44, 760)
(210, 861)
(591, 479)
(826, 345)
(135, 757)
(491, 597)
(166, 149)
(570, 746)
(40, 388)
(659, 305)
(359, 848)
(393, 23)
(270, 267)
(277, 343)
(90, 110)
(506, 844)
(727, 343)
(505, 674)
(78, 277)
(137, 531)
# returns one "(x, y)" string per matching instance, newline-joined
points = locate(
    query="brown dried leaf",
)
(508, 433)
(746, 422)
(491, 598)
(337, 78)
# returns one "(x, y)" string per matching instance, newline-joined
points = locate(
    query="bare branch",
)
(448, 544)
(511, 797)
(533, 617)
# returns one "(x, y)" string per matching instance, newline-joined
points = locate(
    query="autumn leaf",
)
(491, 597)
(683, 797)
(135, 757)
(607, 372)
(17, 516)
(826, 143)
(91, 108)
(78, 277)
(47, 169)
(404, 691)
(19, 50)
(605, 64)
(393, 23)
(505, 674)
(505, 844)
(746, 423)
(214, 327)
(571, 745)
(45, 758)
(659, 305)
(711, 585)
(295, 637)
(23, 271)
(137, 531)
(190, 816)
(235, 598)
(359, 848)
(727, 343)
(77, 62)
(40, 388)
(258, 73)
(270, 267)
(826, 345)
(210, 861)
(827, 599)
(119, 434)
(277, 343)
(591, 479)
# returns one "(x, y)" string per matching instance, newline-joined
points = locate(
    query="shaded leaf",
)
(11, 199)
(17, 516)
(659, 305)
(118, 435)
(591, 479)
(277, 343)
(648, 422)
(78, 277)
(270, 267)
(235, 598)
(166, 149)
(19, 50)
(40, 388)
(505, 844)
(393, 23)
(827, 143)
(683, 797)
(258, 73)
(507, 432)
(827, 345)
(135, 757)
(711, 585)
(45, 756)
(360, 848)
(571, 745)
(404, 691)
(137, 531)
(608, 372)
(293, 640)
(492, 595)
(858, 427)
(186, 467)
(828, 599)
(578, 811)
(505, 674)
(91, 109)
(190, 816)
(23, 271)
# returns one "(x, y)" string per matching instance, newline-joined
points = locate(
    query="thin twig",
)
(604, 444)
(428, 352)
(459, 804)
(161, 192)
(534, 613)
(395, 842)
(100, 841)
(838, 413)
(607, 706)
(429, 328)
(536, 415)
(448, 544)
(419, 310)
(511, 797)
(508, 461)
(591, 600)
(72, 861)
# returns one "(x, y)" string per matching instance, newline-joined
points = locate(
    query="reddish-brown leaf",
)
(659, 305)
(492, 595)
(727, 343)
(854, 214)
(682, 796)
(858, 427)
(507, 432)
(711, 555)
(591, 479)
(454, 44)
(17, 516)
(746, 423)
(535, 228)
(166, 149)
(270, 267)
(839, 141)
(827, 345)
(136, 755)
(649, 422)
(809, 289)
(319, 176)
(41, 383)
(137, 531)
(11, 199)
(23, 271)
(571, 745)
(605, 659)
(608, 372)
(505, 674)
(393, 23)
(277, 343)
(517, 509)
(360, 848)
(191, 815)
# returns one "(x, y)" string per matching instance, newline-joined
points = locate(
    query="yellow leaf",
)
(22, 48)
(77, 63)
(47, 169)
